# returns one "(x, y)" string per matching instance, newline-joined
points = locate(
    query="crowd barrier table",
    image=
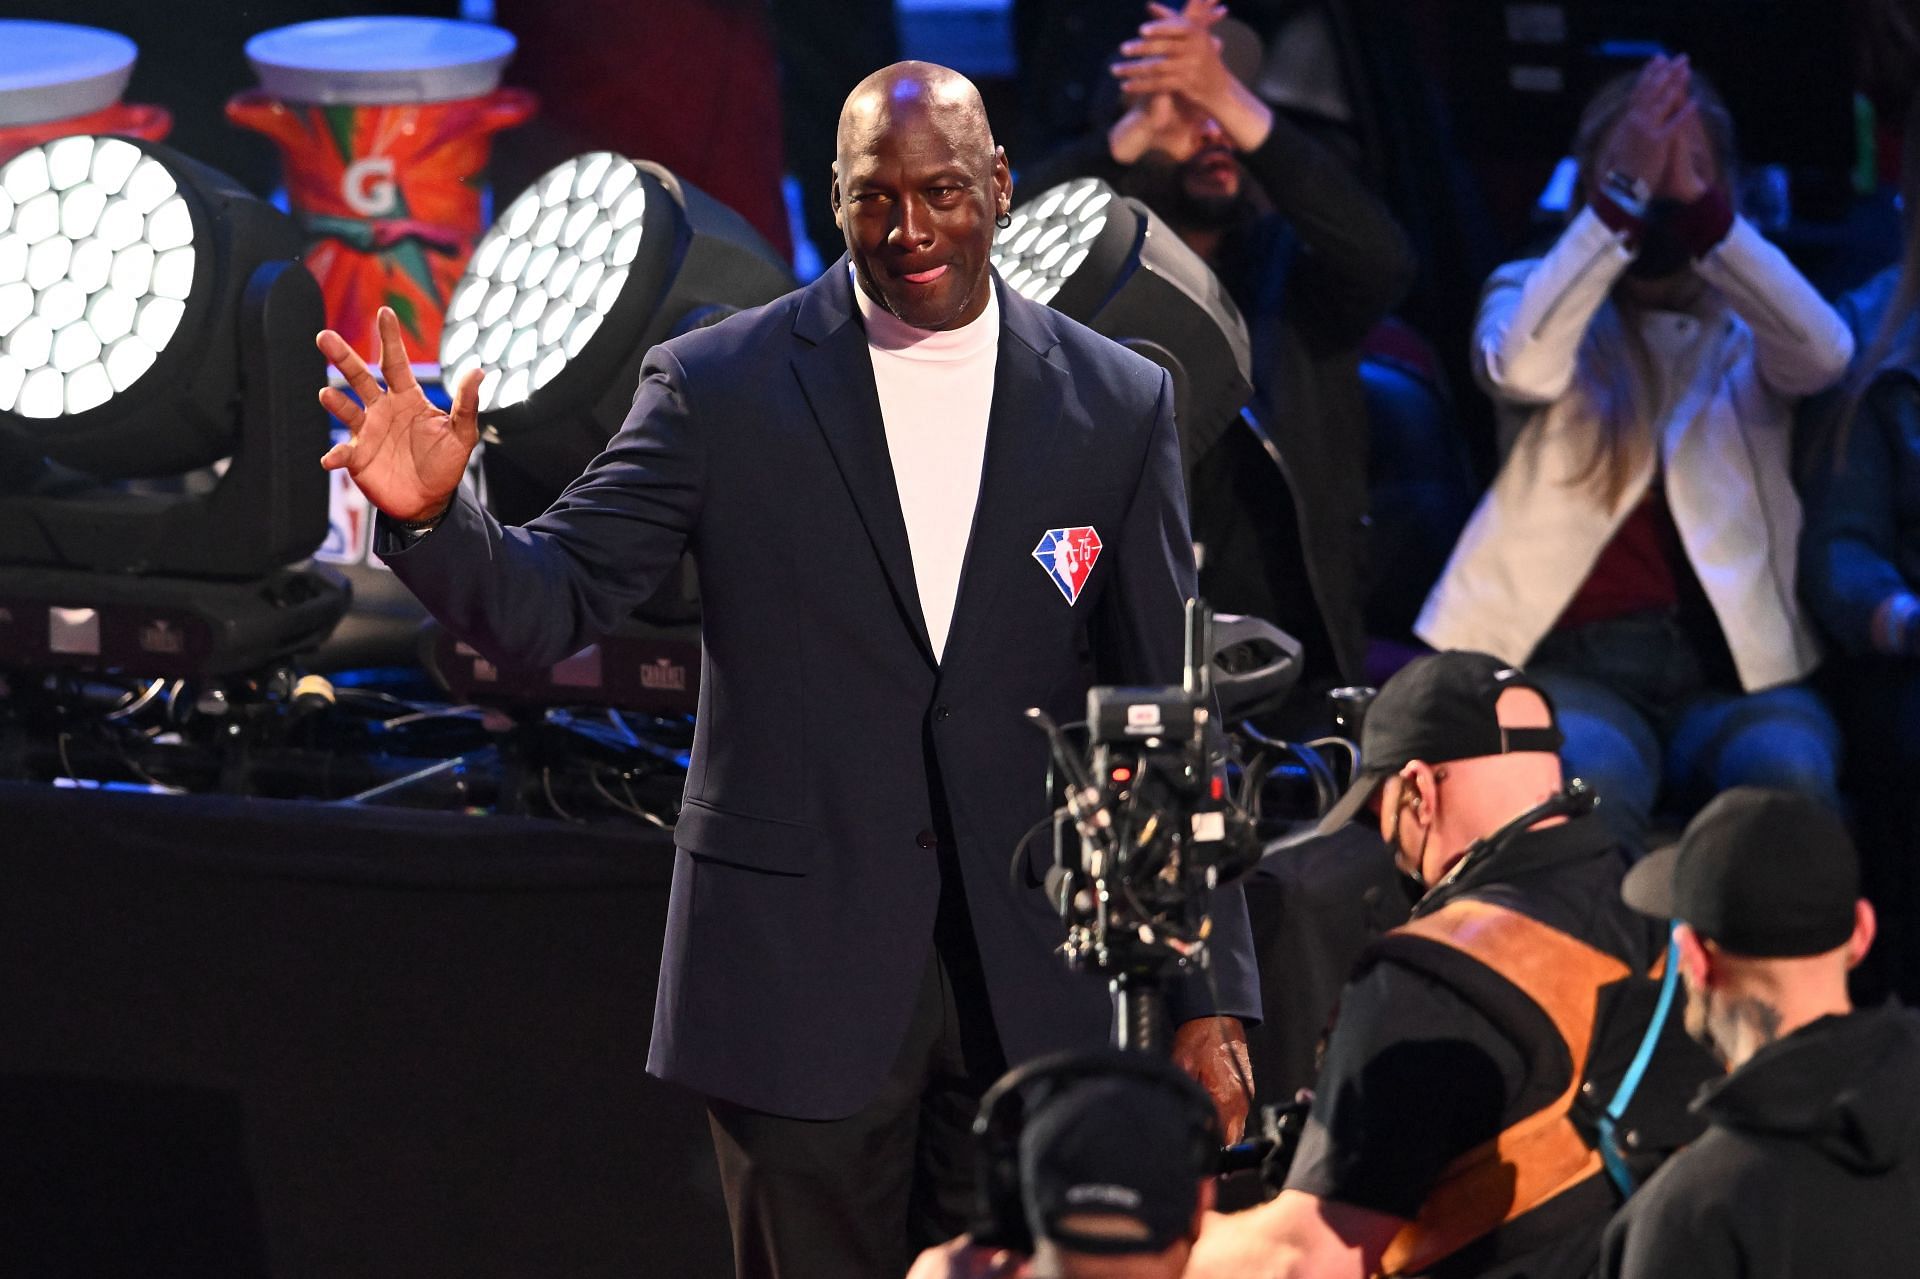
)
(248, 1037)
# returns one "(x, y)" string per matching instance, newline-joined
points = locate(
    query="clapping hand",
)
(1659, 110)
(1177, 53)
(1150, 124)
(403, 453)
(1183, 95)
(1690, 170)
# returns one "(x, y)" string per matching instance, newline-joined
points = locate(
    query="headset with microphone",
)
(1575, 799)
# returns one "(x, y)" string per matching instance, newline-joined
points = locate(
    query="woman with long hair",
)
(1637, 551)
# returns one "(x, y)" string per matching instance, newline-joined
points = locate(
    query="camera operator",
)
(1106, 1160)
(1449, 1133)
(1811, 1163)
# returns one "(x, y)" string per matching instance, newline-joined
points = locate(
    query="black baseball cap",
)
(1116, 1147)
(1436, 708)
(1766, 873)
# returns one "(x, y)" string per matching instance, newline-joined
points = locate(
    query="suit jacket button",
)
(927, 839)
(941, 712)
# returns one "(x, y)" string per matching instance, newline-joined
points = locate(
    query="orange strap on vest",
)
(1542, 1154)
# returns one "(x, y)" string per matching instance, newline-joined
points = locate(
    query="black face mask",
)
(1661, 251)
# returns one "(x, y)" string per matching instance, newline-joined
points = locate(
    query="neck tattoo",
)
(1760, 1018)
(1733, 1027)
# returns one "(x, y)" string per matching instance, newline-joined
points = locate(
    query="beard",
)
(1161, 184)
(1699, 1020)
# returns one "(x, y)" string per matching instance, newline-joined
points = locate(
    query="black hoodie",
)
(1810, 1169)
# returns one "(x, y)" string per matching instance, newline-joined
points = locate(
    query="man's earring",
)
(1004, 221)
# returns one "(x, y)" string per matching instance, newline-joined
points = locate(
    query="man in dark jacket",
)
(1313, 260)
(847, 959)
(1453, 1128)
(1811, 1166)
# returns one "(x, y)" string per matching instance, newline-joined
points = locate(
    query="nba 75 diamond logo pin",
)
(1068, 555)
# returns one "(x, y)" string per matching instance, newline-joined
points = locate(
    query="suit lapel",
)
(1023, 436)
(836, 374)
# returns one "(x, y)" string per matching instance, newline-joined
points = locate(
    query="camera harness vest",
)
(1542, 1154)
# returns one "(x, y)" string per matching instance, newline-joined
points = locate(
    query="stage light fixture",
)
(1107, 261)
(156, 414)
(1051, 238)
(600, 259)
(97, 262)
(597, 261)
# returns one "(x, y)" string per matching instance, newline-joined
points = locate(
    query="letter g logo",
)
(368, 187)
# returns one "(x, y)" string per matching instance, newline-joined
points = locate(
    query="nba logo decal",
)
(1068, 555)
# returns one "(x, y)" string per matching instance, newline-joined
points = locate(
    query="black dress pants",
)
(858, 1198)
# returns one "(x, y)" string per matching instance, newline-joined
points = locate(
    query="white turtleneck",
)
(936, 390)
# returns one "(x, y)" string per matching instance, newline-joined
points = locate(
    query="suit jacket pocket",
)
(757, 843)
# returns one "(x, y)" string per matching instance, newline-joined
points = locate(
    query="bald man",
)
(1451, 1133)
(873, 473)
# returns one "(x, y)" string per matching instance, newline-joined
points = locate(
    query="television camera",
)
(1162, 809)
(1148, 831)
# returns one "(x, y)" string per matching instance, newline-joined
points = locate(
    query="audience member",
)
(1860, 575)
(1637, 549)
(1313, 260)
(1450, 1133)
(1811, 1162)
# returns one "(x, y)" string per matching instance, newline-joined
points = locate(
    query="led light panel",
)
(1050, 237)
(543, 278)
(97, 259)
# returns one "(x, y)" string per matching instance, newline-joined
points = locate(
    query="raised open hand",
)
(405, 455)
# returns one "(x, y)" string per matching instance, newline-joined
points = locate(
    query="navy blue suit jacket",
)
(803, 900)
